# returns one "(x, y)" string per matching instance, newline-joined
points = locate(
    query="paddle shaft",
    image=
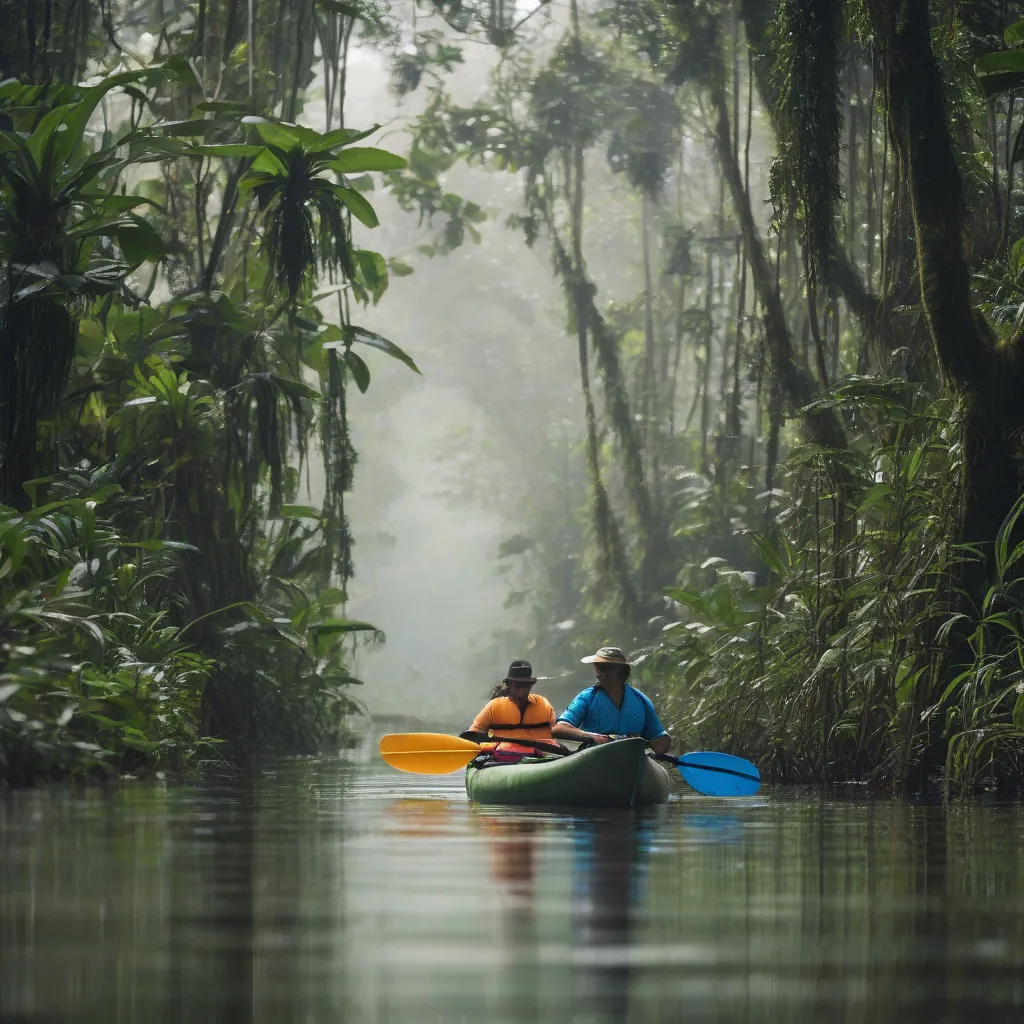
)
(486, 737)
(429, 753)
(705, 767)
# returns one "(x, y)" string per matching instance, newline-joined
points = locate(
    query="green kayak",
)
(616, 774)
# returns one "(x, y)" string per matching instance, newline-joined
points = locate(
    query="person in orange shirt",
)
(513, 712)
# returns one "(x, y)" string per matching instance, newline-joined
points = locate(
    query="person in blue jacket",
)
(611, 707)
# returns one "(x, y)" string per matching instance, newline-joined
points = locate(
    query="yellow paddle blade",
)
(427, 753)
(429, 762)
(410, 742)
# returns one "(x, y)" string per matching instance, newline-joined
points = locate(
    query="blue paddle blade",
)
(716, 774)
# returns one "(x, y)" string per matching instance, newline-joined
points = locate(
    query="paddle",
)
(715, 774)
(544, 747)
(434, 753)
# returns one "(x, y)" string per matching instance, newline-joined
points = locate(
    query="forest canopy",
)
(167, 369)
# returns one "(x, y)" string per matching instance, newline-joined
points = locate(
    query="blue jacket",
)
(594, 711)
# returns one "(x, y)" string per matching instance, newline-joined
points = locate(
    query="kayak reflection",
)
(560, 947)
(610, 866)
(512, 847)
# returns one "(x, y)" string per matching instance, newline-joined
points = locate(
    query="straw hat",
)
(606, 656)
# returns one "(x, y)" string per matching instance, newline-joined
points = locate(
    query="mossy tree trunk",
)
(794, 380)
(984, 377)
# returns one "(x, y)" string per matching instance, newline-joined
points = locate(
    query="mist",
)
(444, 467)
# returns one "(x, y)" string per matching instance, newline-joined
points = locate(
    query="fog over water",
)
(452, 462)
(485, 326)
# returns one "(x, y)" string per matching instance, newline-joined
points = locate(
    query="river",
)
(317, 890)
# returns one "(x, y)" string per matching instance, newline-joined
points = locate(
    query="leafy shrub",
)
(826, 657)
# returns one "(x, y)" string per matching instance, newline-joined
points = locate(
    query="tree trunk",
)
(844, 275)
(984, 378)
(823, 427)
(705, 381)
(649, 404)
(37, 347)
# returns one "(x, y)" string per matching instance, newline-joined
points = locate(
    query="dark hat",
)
(606, 656)
(521, 672)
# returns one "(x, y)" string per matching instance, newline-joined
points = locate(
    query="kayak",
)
(615, 774)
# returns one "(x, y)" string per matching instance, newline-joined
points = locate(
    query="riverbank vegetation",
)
(787, 237)
(179, 337)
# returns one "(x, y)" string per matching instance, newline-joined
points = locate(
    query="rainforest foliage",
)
(799, 374)
(183, 270)
(787, 237)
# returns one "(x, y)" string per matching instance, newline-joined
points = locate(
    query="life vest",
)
(505, 720)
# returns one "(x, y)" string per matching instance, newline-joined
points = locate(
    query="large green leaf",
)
(399, 268)
(331, 336)
(343, 137)
(366, 158)
(266, 169)
(688, 599)
(117, 203)
(232, 107)
(359, 207)
(360, 371)
(330, 626)
(31, 280)
(285, 136)
(10, 142)
(374, 271)
(190, 128)
(1000, 72)
(774, 558)
(1001, 60)
(1001, 82)
(139, 242)
(156, 148)
(40, 139)
(76, 116)
(382, 344)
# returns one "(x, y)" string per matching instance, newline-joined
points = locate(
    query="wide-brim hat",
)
(520, 671)
(606, 656)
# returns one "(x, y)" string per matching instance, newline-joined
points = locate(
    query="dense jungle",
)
(754, 412)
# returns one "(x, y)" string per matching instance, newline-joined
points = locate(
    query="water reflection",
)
(609, 874)
(512, 846)
(417, 817)
(212, 923)
(321, 893)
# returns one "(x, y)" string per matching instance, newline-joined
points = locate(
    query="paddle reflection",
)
(417, 817)
(697, 829)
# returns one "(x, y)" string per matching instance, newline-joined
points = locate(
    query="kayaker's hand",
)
(599, 737)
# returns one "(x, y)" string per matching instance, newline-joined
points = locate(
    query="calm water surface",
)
(320, 891)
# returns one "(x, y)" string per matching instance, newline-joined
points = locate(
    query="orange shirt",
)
(539, 714)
